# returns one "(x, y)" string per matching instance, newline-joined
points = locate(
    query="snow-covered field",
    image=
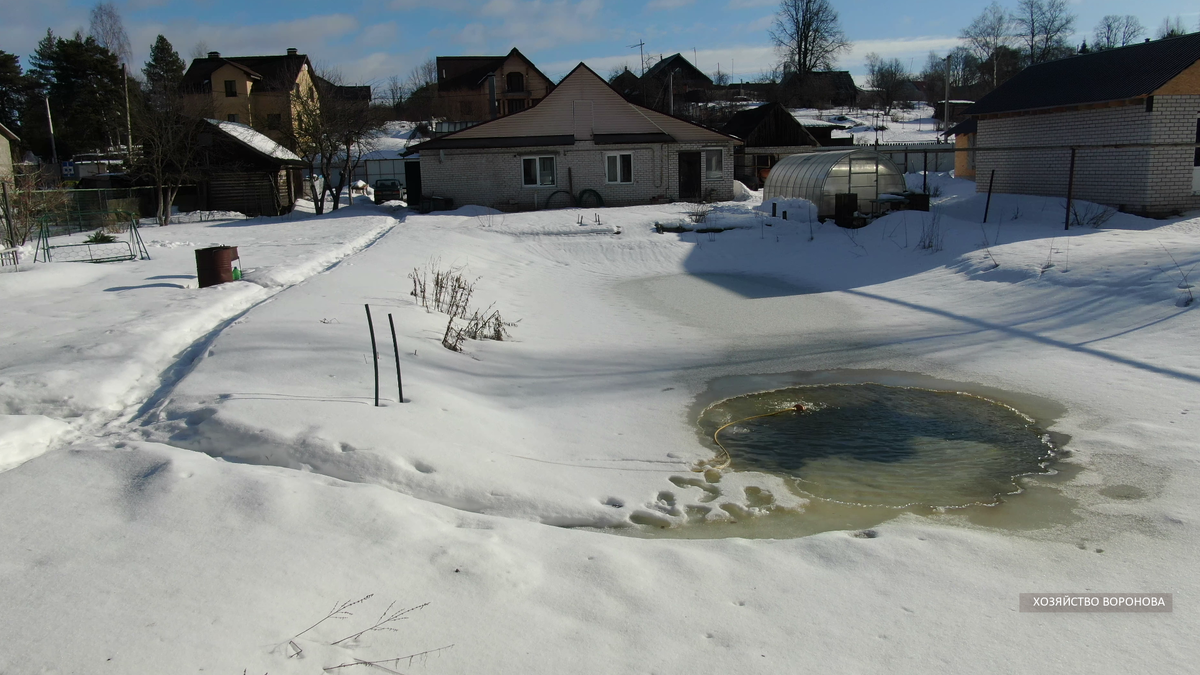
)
(916, 125)
(197, 477)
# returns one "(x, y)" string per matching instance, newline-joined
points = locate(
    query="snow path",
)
(98, 352)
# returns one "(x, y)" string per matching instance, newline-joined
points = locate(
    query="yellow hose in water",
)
(728, 458)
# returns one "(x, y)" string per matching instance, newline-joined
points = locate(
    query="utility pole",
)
(671, 92)
(946, 113)
(53, 150)
(128, 120)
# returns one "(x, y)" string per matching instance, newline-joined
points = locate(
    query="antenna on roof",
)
(641, 56)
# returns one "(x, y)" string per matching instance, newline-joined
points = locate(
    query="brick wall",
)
(1153, 181)
(494, 177)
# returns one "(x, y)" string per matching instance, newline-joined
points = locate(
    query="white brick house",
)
(582, 136)
(1141, 95)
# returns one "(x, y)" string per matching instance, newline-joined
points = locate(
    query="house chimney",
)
(214, 55)
(292, 51)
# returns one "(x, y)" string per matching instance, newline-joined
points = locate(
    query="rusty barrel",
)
(214, 265)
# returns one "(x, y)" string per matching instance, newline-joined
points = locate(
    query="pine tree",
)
(84, 84)
(163, 72)
(13, 86)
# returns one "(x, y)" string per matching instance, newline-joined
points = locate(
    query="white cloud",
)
(667, 4)
(379, 34)
(747, 4)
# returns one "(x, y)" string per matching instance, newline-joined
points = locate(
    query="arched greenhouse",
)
(818, 176)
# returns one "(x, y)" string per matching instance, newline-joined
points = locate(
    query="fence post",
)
(988, 204)
(1070, 189)
(374, 353)
(925, 174)
(396, 349)
(10, 231)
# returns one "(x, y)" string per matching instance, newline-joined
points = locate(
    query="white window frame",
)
(618, 156)
(538, 163)
(704, 157)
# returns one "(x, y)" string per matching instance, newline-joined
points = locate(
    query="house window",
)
(714, 164)
(516, 82)
(232, 117)
(230, 88)
(618, 168)
(516, 106)
(274, 121)
(537, 171)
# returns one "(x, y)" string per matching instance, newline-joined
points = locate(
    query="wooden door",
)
(689, 175)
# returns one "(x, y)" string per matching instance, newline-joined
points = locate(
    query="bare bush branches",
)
(410, 658)
(451, 295)
(451, 291)
(387, 617)
(1092, 215)
(339, 611)
(698, 212)
(1184, 285)
(932, 237)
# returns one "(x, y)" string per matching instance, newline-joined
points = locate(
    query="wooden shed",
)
(242, 170)
(770, 132)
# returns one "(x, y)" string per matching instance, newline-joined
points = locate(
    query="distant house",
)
(957, 110)
(822, 131)
(819, 89)
(8, 145)
(242, 170)
(628, 86)
(252, 90)
(583, 142)
(673, 83)
(770, 132)
(481, 88)
(1147, 93)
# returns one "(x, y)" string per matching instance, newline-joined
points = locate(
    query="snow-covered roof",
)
(255, 140)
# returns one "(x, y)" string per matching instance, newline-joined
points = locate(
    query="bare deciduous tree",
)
(109, 31)
(330, 131)
(200, 50)
(808, 35)
(1044, 26)
(1171, 28)
(422, 75)
(887, 77)
(1115, 30)
(988, 34)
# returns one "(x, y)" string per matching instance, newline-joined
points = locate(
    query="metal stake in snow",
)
(396, 349)
(1070, 189)
(374, 353)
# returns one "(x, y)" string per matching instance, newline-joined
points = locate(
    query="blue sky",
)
(368, 41)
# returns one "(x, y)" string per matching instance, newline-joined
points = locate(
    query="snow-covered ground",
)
(199, 476)
(900, 126)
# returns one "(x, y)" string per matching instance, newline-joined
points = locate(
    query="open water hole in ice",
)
(875, 445)
(863, 453)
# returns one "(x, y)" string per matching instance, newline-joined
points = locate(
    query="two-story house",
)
(481, 88)
(253, 90)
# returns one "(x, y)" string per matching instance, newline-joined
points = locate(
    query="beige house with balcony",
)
(480, 88)
(252, 90)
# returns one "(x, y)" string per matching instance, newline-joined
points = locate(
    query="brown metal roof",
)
(1110, 75)
(272, 73)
